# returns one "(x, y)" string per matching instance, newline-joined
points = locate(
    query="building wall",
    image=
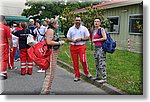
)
(12, 7)
(123, 36)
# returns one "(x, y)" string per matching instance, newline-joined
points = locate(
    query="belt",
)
(77, 45)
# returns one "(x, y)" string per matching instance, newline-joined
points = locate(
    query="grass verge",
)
(124, 68)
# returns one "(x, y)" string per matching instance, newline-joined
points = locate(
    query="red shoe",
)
(29, 71)
(23, 71)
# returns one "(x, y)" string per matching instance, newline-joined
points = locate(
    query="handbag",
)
(40, 54)
(30, 40)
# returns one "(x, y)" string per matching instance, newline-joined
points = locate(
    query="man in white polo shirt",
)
(77, 35)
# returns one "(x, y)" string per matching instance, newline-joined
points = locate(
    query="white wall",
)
(12, 7)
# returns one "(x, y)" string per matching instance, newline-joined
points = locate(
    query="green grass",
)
(124, 68)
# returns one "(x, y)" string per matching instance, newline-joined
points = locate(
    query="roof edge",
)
(112, 4)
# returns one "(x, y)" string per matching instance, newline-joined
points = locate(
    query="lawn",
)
(124, 68)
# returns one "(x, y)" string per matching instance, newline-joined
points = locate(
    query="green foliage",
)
(124, 68)
(67, 19)
(139, 26)
(50, 8)
(42, 9)
(68, 16)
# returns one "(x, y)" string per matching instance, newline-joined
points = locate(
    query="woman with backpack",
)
(99, 53)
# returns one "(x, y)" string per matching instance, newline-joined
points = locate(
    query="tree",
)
(67, 17)
(42, 9)
(50, 8)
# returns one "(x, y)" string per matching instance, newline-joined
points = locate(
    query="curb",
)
(106, 87)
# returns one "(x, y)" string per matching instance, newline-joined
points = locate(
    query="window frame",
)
(118, 24)
(133, 33)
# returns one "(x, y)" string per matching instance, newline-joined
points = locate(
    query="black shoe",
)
(3, 77)
(76, 79)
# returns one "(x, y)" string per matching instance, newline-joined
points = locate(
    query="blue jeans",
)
(17, 54)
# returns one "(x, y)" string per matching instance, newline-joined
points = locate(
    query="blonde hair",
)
(52, 22)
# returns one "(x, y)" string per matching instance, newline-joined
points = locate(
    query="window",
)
(136, 23)
(114, 26)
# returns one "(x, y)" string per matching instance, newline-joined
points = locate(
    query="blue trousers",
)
(17, 54)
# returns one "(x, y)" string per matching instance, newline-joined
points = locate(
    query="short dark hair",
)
(98, 18)
(77, 16)
(39, 21)
(2, 17)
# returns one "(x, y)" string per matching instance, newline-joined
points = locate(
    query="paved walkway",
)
(32, 84)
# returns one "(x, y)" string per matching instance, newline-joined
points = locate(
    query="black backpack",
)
(109, 44)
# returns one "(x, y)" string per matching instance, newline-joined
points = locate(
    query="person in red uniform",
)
(23, 47)
(5, 44)
(13, 27)
(77, 35)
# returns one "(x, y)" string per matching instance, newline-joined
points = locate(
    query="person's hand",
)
(74, 41)
(61, 42)
(78, 40)
(94, 40)
(11, 49)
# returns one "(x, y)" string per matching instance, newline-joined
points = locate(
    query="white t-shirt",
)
(39, 33)
(14, 38)
(75, 33)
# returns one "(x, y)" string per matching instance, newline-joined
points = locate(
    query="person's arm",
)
(69, 39)
(35, 31)
(49, 38)
(104, 37)
(16, 33)
(9, 38)
(30, 32)
(85, 39)
(10, 44)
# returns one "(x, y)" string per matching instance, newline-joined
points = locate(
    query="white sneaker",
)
(15, 68)
(76, 79)
(41, 71)
(102, 81)
(17, 60)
